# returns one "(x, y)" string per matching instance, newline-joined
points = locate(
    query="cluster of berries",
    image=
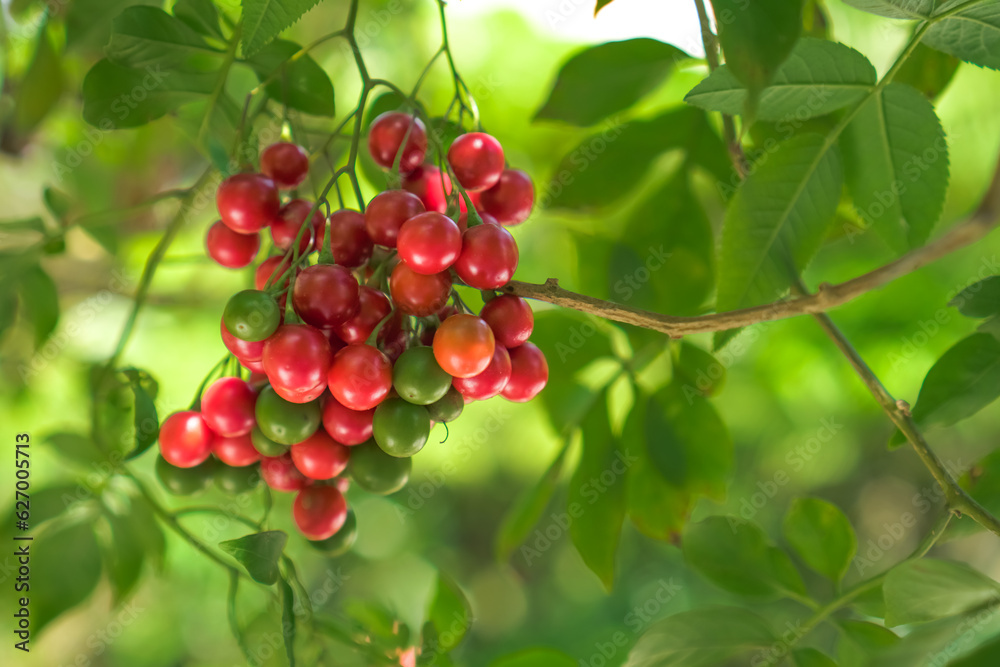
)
(349, 374)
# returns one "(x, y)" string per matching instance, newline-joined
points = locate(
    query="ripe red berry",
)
(244, 350)
(431, 185)
(185, 439)
(237, 452)
(284, 163)
(281, 474)
(360, 377)
(374, 307)
(319, 456)
(268, 267)
(227, 406)
(319, 512)
(292, 216)
(417, 294)
(510, 318)
(349, 241)
(247, 202)
(477, 160)
(429, 243)
(511, 199)
(346, 426)
(386, 136)
(491, 381)
(463, 345)
(529, 373)
(489, 257)
(296, 360)
(387, 212)
(230, 249)
(326, 295)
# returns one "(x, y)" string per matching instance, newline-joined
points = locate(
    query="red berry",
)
(247, 202)
(511, 199)
(387, 212)
(429, 243)
(529, 373)
(237, 452)
(227, 406)
(386, 136)
(296, 360)
(360, 377)
(374, 307)
(464, 345)
(230, 249)
(431, 185)
(185, 439)
(281, 474)
(477, 160)
(246, 351)
(489, 257)
(284, 163)
(417, 294)
(319, 456)
(326, 295)
(349, 241)
(491, 381)
(346, 426)
(319, 512)
(510, 318)
(290, 219)
(269, 266)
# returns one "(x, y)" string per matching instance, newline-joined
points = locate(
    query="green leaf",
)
(528, 508)
(41, 302)
(116, 97)
(896, 159)
(259, 553)
(929, 589)
(896, 9)
(608, 165)
(624, 72)
(987, 655)
(818, 77)
(57, 202)
(288, 620)
(736, 556)
(263, 20)
(536, 657)
(200, 15)
(699, 370)
(701, 638)
(76, 448)
(862, 643)
(810, 657)
(570, 340)
(972, 34)
(145, 419)
(757, 37)
(597, 495)
(450, 615)
(126, 557)
(63, 581)
(980, 299)
(301, 84)
(41, 86)
(941, 642)
(147, 37)
(928, 71)
(148, 530)
(87, 26)
(961, 383)
(777, 221)
(821, 535)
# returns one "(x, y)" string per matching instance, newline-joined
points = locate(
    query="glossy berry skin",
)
(326, 295)
(417, 378)
(360, 377)
(244, 350)
(477, 160)
(230, 249)
(417, 294)
(510, 318)
(341, 541)
(285, 163)
(431, 185)
(491, 381)
(285, 422)
(247, 202)
(319, 512)
(463, 345)
(386, 134)
(387, 212)
(429, 243)
(184, 481)
(375, 306)
(319, 456)
(227, 406)
(296, 360)
(489, 257)
(400, 428)
(185, 439)
(251, 315)
(346, 426)
(529, 373)
(290, 220)
(281, 474)
(264, 445)
(349, 241)
(237, 452)
(377, 472)
(511, 199)
(447, 409)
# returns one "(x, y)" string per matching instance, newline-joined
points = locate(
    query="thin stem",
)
(208, 509)
(220, 85)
